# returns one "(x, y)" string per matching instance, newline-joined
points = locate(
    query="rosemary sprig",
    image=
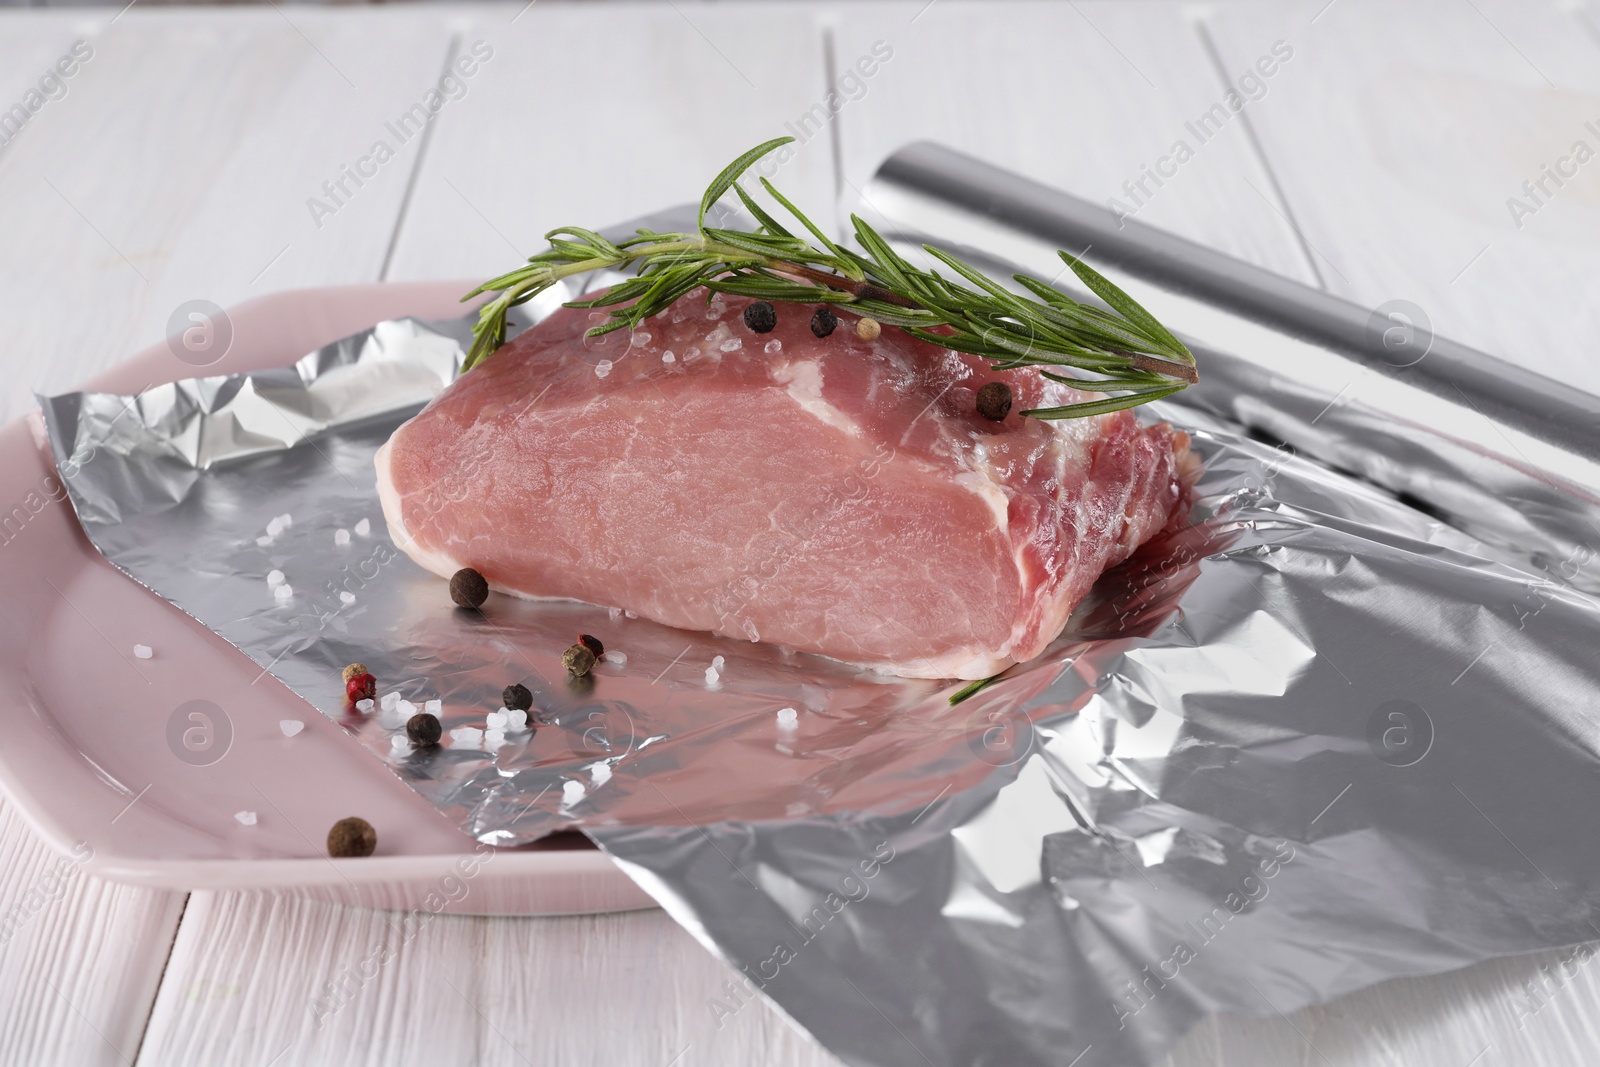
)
(1123, 351)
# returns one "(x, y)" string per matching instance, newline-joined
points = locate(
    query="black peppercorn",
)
(823, 322)
(517, 697)
(352, 837)
(578, 660)
(423, 729)
(760, 317)
(994, 401)
(592, 643)
(468, 588)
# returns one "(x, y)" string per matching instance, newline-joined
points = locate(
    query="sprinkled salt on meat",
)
(832, 495)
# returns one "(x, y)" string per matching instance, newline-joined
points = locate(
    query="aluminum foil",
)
(1316, 739)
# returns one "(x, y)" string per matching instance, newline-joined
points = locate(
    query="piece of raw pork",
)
(832, 495)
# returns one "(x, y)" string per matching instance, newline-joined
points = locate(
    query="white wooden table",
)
(1377, 162)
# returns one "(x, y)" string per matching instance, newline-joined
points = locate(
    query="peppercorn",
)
(468, 588)
(352, 837)
(994, 401)
(360, 687)
(424, 730)
(761, 317)
(578, 660)
(868, 329)
(823, 322)
(592, 643)
(517, 697)
(355, 669)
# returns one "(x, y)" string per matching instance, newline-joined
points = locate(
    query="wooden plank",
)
(1092, 97)
(180, 165)
(592, 115)
(346, 987)
(1402, 136)
(80, 958)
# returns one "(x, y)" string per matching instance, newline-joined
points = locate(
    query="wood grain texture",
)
(1085, 96)
(179, 166)
(593, 115)
(80, 958)
(346, 986)
(1400, 134)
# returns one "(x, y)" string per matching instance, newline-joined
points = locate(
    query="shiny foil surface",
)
(1316, 739)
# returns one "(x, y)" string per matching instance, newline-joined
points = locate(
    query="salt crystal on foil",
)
(364, 705)
(143, 651)
(363, 528)
(274, 578)
(772, 346)
(275, 527)
(341, 537)
(467, 737)
(389, 701)
(433, 707)
(602, 368)
(668, 356)
(284, 591)
(788, 716)
(571, 793)
(290, 727)
(613, 656)
(246, 818)
(601, 772)
(496, 720)
(717, 662)
(406, 709)
(516, 719)
(712, 676)
(347, 597)
(399, 742)
(263, 541)
(494, 740)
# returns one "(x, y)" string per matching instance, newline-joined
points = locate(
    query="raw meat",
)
(831, 495)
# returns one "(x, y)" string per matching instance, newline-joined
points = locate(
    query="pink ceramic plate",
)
(84, 722)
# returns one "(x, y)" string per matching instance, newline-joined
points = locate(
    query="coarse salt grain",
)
(668, 356)
(275, 527)
(772, 346)
(712, 676)
(246, 818)
(363, 528)
(467, 737)
(732, 344)
(347, 597)
(405, 709)
(630, 614)
(639, 337)
(287, 520)
(613, 656)
(496, 720)
(399, 742)
(290, 727)
(516, 718)
(601, 772)
(143, 651)
(341, 537)
(274, 578)
(433, 707)
(494, 740)
(788, 716)
(602, 368)
(717, 662)
(615, 613)
(571, 793)
(263, 541)
(389, 700)
(364, 705)
(284, 591)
